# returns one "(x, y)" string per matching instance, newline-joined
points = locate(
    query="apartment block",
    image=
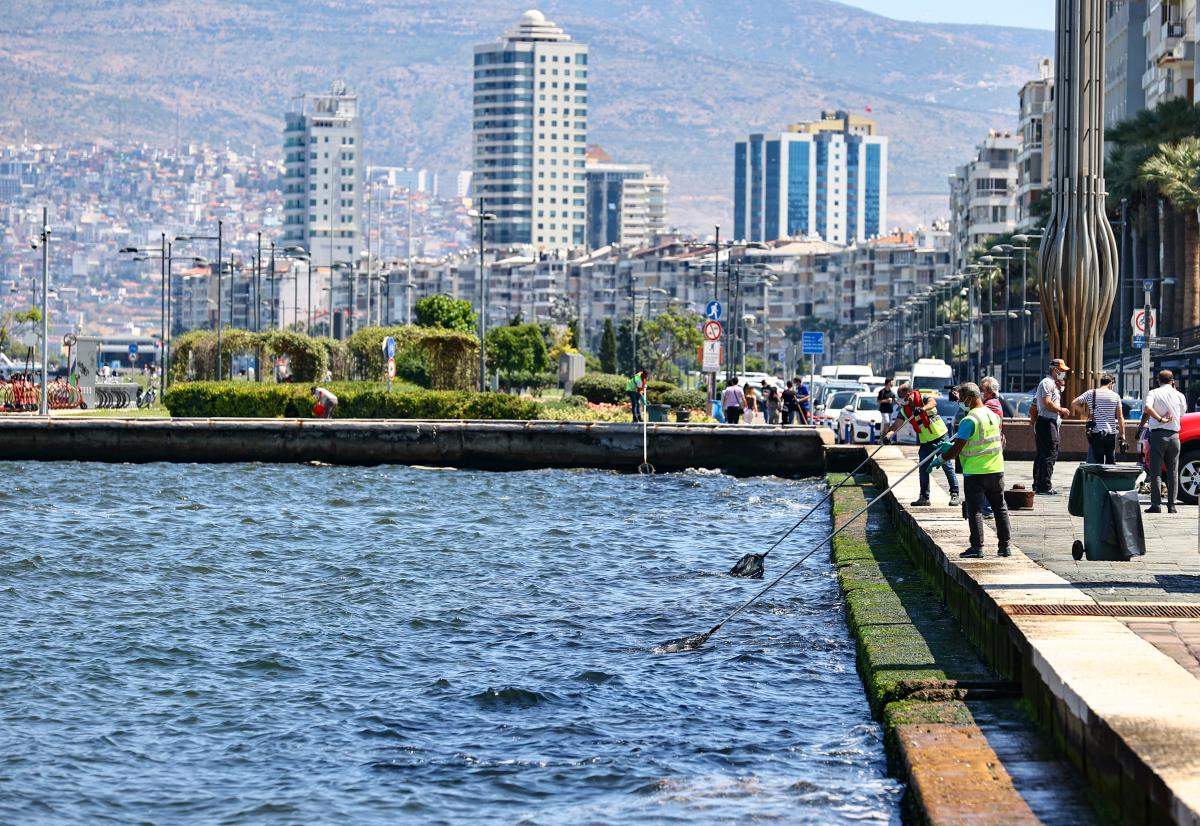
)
(626, 203)
(530, 135)
(983, 195)
(826, 179)
(323, 177)
(1036, 156)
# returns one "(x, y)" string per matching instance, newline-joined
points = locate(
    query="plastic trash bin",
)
(658, 412)
(718, 412)
(1104, 496)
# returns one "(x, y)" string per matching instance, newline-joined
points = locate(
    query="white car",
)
(827, 416)
(860, 421)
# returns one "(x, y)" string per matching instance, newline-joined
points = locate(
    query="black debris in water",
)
(683, 644)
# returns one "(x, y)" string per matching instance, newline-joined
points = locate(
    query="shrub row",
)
(356, 400)
(607, 388)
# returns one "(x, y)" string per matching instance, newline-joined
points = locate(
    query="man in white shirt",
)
(1047, 417)
(1165, 406)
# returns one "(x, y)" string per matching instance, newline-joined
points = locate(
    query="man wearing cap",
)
(1048, 413)
(931, 431)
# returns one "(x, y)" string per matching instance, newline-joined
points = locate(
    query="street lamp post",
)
(484, 218)
(42, 241)
(219, 238)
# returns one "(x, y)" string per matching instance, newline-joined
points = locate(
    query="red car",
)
(1189, 458)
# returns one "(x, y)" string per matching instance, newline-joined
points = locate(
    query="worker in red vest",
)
(931, 434)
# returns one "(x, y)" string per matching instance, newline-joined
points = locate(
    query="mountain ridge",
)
(672, 83)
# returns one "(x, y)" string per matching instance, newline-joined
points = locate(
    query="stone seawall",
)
(484, 445)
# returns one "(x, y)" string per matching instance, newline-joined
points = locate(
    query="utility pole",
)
(1123, 265)
(1146, 310)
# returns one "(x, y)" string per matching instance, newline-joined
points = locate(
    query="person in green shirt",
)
(979, 447)
(635, 388)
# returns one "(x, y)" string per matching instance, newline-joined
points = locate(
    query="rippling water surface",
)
(301, 644)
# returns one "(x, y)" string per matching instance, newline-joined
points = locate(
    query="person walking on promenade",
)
(751, 405)
(1047, 416)
(979, 447)
(1101, 407)
(326, 403)
(770, 402)
(733, 401)
(788, 400)
(887, 400)
(635, 389)
(802, 401)
(990, 388)
(1165, 406)
(931, 433)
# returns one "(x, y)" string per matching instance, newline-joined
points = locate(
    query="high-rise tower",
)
(323, 177)
(530, 130)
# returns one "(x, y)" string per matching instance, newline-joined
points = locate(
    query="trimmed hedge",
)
(356, 400)
(601, 388)
(686, 399)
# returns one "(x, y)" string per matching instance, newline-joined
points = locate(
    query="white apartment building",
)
(626, 203)
(1037, 149)
(1170, 36)
(530, 135)
(983, 195)
(323, 177)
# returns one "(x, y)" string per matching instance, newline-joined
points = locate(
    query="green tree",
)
(608, 348)
(446, 313)
(671, 336)
(1175, 172)
(518, 353)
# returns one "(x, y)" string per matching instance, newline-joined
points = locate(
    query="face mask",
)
(1059, 375)
(963, 409)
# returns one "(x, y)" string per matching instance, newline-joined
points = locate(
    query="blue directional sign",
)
(713, 311)
(389, 347)
(133, 349)
(1139, 342)
(812, 343)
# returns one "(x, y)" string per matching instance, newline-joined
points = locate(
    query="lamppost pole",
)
(483, 218)
(44, 237)
(272, 280)
(162, 343)
(220, 240)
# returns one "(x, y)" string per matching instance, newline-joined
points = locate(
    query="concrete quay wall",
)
(488, 445)
(1123, 713)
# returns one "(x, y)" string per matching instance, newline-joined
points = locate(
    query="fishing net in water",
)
(749, 566)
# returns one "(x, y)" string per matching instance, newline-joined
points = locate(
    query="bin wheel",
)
(1077, 550)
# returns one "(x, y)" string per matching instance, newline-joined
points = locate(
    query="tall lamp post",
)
(162, 253)
(219, 238)
(483, 218)
(42, 241)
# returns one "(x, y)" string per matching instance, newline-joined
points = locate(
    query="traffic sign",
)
(1138, 321)
(714, 311)
(710, 357)
(712, 330)
(812, 343)
(132, 356)
(1164, 343)
(391, 368)
(133, 349)
(1139, 342)
(389, 347)
(69, 340)
(1147, 285)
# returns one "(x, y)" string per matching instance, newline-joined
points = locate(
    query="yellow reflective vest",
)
(984, 451)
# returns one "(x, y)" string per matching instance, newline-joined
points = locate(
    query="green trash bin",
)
(658, 412)
(1090, 500)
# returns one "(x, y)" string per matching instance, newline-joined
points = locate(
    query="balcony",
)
(1170, 35)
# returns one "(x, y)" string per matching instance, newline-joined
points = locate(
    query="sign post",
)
(1148, 329)
(389, 353)
(711, 357)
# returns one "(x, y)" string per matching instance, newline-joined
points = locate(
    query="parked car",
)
(1016, 405)
(821, 399)
(828, 414)
(860, 420)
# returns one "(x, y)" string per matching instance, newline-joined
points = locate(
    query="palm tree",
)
(1175, 172)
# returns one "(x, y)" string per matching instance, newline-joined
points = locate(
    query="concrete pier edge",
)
(486, 445)
(1126, 715)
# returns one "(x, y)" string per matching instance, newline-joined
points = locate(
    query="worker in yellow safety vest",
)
(979, 448)
(922, 413)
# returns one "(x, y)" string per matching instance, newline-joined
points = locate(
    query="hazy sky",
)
(1038, 14)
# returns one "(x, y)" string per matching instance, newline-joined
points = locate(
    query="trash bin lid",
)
(1112, 471)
